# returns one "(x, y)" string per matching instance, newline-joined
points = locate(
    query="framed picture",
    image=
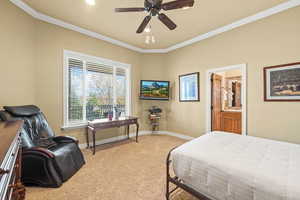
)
(282, 82)
(189, 87)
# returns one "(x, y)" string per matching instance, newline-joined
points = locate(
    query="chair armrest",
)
(39, 151)
(65, 139)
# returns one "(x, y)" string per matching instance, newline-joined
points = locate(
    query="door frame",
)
(243, 68)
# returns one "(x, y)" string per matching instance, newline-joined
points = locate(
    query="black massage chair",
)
(47, 160)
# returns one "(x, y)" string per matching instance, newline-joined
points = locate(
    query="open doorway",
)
(227, 106)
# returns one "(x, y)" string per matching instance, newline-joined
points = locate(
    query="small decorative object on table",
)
(117, 113)
(110, 116)
(154, 116)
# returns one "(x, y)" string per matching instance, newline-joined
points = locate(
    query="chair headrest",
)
(5, 116)
(22, 111)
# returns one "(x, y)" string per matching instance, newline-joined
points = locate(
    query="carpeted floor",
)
(122, 171)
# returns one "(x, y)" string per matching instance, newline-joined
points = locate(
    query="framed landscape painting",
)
(282, 82)
(189, 87)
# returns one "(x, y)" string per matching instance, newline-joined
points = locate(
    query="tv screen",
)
(154, 90)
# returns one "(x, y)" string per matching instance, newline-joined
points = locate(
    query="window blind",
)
(94, 67)
(100, 90)
(75, 100)
(121, 88)
(121, 72)
(94, 90)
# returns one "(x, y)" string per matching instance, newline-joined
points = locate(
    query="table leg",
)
(87, 138)
(127, 131)
(137, 132)
(94, 142)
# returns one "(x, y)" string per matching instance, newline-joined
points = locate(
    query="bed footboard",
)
(178, 183)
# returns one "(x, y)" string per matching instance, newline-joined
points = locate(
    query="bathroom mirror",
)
(233, 93)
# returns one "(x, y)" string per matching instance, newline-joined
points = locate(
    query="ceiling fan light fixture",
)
(153, 39)
(148, 29)
(91, 2)
(147, 41)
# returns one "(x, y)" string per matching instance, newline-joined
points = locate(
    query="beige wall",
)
(17, 48)
(51, 41)
(154, 68)
(32, 56)
(33, 65)
(271, 41)
(233, 73)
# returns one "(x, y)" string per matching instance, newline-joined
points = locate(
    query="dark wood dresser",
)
(10, 159)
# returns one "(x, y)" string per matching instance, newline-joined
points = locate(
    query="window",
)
(94, 87)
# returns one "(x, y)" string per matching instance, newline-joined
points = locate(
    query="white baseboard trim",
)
(131, 135)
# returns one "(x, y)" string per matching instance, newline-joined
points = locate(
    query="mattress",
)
(224, 166)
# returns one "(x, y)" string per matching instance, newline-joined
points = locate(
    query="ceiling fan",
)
(153, 7)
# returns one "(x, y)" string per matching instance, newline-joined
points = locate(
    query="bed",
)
(224, 166)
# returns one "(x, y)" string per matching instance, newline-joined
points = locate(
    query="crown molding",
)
(72, 27)
(261, 15)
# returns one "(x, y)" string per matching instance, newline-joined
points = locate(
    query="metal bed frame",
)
(179, 183)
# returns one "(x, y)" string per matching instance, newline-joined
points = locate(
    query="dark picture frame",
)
(194, 83)
(282, 83)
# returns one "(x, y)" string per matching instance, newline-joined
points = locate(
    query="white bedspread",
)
(227, 166)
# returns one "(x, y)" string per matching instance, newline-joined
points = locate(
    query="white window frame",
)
(87, 58)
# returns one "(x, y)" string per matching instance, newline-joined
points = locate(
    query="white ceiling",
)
(204, 17)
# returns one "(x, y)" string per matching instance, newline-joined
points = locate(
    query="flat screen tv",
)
(154, 90)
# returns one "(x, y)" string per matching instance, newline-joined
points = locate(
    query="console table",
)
(11, 187)
(100, 124)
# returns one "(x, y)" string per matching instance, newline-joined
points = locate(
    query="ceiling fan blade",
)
(177, 4)
(154, 2)
(151, 1)
(129, 9)
(167, 21)
(144, 24)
